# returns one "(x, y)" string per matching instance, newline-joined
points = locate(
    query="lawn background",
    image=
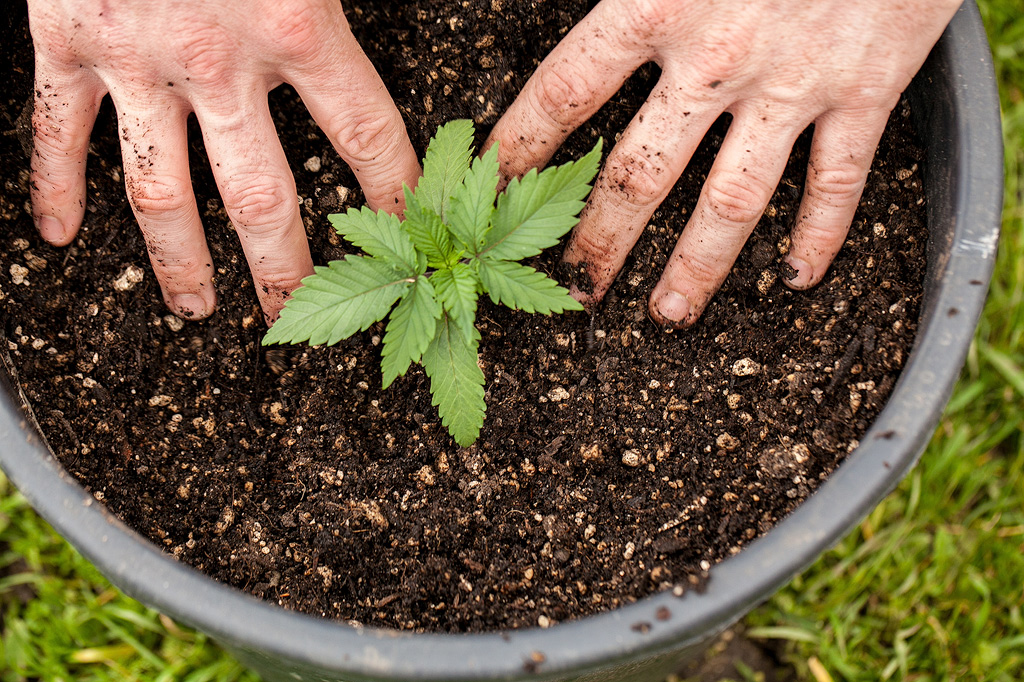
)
(928, 587)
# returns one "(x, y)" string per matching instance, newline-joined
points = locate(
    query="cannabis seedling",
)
(454, 244)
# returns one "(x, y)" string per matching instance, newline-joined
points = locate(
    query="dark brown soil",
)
(616, 460)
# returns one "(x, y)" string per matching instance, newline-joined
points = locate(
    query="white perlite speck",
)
(745, 367)
(312, 164)
(131, 276)
(558, 394)
(18, 274)
(631, 458)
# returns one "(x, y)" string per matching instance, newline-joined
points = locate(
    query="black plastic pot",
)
(956, 105)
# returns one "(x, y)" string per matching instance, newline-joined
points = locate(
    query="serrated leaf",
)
(456, 380)
(445, 165)
(430, 236)
(457, 289)
(522, 287)
(473, 202)
(533, 213)
(380, 234)
(337, 301)
(411, 327)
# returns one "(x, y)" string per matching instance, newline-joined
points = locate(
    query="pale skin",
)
(160, 61)
(775, 66)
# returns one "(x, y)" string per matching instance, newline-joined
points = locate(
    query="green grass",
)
(62, 622)
(927, 588)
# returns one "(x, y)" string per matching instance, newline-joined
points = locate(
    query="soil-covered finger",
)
(260, 198)
(347, 98)
(733, 198)
(154, 149)
(638, 174)
(62, 120)
(586, 69)
(841, 153)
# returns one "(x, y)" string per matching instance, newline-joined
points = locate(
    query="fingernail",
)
(673, 306)
(51, 229)
(191, 306)
(804, 273)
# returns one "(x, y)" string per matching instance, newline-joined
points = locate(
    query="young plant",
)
(454, 244)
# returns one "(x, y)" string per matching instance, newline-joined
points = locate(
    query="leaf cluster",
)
(459, 239)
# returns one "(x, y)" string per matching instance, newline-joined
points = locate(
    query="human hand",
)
(776, 67)
(161, 60)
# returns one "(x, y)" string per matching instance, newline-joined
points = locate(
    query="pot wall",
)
(956, 107)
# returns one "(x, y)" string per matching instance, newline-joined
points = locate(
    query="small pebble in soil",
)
(312, 164)
(727, 441)
(131, 276)
(174, 323)
(558, 394)
(745, 367)
(631, 458)
(766, 281)
(19, 274)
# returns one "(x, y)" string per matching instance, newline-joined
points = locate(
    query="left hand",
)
(777, 67)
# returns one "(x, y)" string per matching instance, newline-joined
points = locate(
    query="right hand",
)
(160, 61)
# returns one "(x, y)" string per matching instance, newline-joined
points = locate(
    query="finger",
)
(259, 196)
(62, 119)
(841, 153)
(637, 176)
(584, 70)
(154, 148)
(742, 180)
(351, 104)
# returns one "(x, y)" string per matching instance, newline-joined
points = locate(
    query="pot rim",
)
(887, 452)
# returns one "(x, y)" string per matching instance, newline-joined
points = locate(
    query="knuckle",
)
(207, 52)
(55, 187)
(635, 179)
(816, 240)
(702, 269)
(592, 246)
(646, 18)
(56, 138)
(736, 198)
(176, 273)
(836, 186)
(50, 33)
(369, 137)
(875, 86)
(723, 52)
(259, 202)
(560, 93)
(275, 285)
(297, 30)
(153, 196)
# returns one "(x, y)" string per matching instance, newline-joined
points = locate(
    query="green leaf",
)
(456, 380)
(380, 234)
(338, 300)
(431, 237)
(445, 165)
(522, 287)
(457, 289)
(411, 328)
(473, 202)
(533, 213)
